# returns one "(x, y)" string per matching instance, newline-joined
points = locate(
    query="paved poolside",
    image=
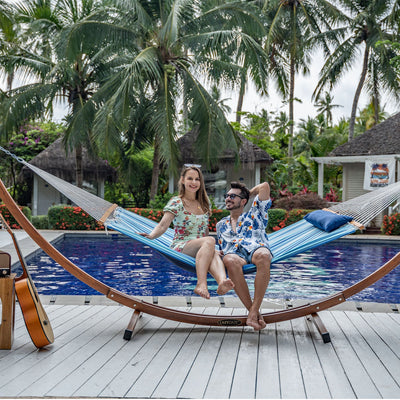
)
(167, 359)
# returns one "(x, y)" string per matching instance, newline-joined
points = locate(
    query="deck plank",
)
(388, 330)
(245, 376)
(353, 367)
(167, 359)
(24, 349)
(336, 378)
(83, 363)
(171, 383)
(372, 351)
(99, 382)
(315, 383)
(268, 381)
(196, 381)
(41, 362)
(220, 382)
(291, 380)
(151, 376)
(123, 381)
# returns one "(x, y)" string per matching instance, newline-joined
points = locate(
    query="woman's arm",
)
(161, 227)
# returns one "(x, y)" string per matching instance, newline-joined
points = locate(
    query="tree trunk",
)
(358, 92)
(376, 104)
(241, 97)
(78, 166)
(156, 169)
(291, 107)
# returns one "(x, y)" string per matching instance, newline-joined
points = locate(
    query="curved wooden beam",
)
(183, 316)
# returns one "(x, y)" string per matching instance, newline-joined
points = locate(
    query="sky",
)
(343, 95)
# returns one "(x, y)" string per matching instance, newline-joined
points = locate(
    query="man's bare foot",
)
(261, 321)
(253, 321)
(202, 291)
(225, 286)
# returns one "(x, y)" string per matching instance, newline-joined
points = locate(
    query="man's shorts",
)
(243, 253)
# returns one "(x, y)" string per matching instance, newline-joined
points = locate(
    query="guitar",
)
(35, 317)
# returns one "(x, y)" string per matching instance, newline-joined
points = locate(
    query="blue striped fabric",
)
(285, 243)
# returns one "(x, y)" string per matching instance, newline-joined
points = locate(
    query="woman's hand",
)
(146, 235)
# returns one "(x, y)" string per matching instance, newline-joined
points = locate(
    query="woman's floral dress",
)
(187, 226)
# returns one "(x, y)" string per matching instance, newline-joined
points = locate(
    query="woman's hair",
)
(201, 194)
(244, 192)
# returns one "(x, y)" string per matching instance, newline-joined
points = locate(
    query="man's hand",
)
(262, 190)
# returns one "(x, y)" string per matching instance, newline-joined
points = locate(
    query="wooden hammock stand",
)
(140, 306)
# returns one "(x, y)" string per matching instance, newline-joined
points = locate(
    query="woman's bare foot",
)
(225, 286)
(202, 291)
(253, 320)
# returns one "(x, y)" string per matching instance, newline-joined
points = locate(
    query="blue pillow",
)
(326, 220)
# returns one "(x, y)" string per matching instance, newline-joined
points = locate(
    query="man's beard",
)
(234, 207)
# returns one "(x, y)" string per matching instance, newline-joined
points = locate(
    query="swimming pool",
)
(136, 269)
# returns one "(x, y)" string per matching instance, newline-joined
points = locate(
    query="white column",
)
(321, 179)
(100, 189)
(171, 184)
(257, 176)
(35, 195)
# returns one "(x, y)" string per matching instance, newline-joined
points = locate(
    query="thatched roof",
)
(249, 153)
(382, 139)
(55, 161)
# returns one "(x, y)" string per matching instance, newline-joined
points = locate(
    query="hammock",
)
(140, 306)
(286, 242)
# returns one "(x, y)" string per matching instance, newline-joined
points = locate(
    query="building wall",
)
(353, 182)
(47, 197)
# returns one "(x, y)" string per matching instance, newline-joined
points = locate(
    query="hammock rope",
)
(289, 241)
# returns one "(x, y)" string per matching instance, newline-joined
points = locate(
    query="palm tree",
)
(59, 68)
(296, 29)
(8, 37)
(369, 22)
(171, 45)
(325, 107)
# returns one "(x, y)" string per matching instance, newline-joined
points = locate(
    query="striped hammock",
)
(287, 242)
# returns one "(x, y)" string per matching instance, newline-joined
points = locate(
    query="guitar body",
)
(36, 321)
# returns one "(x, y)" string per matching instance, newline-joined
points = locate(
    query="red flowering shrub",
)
(391, 224)
(12, 223)
(71, 218)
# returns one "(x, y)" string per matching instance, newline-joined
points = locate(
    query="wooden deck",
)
(166, 359)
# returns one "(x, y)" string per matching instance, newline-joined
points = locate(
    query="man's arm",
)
(262, 190)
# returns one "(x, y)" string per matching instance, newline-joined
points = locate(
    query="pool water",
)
(136, 269)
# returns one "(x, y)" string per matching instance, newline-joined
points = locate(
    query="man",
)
(243, 240)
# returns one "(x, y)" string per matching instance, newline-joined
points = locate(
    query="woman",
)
(190, 212)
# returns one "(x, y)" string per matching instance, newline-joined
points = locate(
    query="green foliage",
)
(275, 216)
(290, 218)
(12, 223)
(161, 200)
(115, 192)
(31, 139)
(138, 175)
(65, 217)
(391, 224)
(40, 221)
